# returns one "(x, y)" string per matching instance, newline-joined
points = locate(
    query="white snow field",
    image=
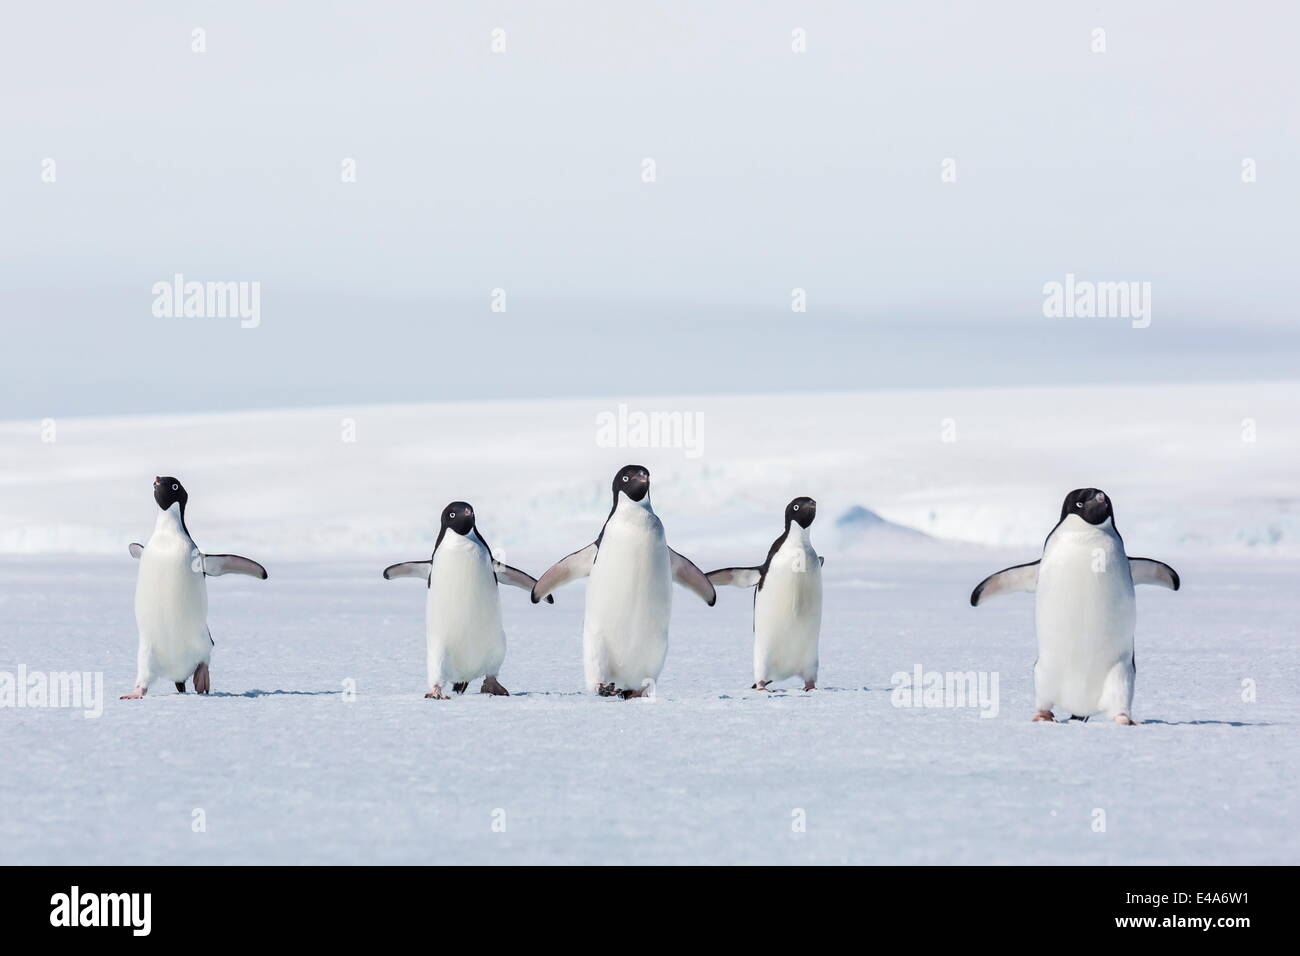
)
(285, 764)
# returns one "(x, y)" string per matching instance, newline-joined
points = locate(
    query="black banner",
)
(331, 904)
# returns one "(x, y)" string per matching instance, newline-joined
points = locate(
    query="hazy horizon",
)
(523, 171)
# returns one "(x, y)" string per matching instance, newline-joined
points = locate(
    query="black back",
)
(801, 511)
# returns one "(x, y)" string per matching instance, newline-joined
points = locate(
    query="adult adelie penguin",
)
(787, 601)
(630, 595)
(171, 597)
(463, 630)
(1084, 610)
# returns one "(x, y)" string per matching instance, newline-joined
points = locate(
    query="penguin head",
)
(633, 481)
(801, 511)
(1090, 504)
(459, 517)
(167, 491)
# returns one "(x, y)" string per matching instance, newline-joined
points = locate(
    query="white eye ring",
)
(625, 477)
(1078, 504)
(796, 507)
(175, 487)
(452, 515)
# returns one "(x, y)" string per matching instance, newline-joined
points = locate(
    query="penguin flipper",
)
(692, 578)
(1021, 577)
(569, 568)
(516, 578)
(1151, 571)
(215, 565)
(736, 577)
(136, 550)
(409, 569)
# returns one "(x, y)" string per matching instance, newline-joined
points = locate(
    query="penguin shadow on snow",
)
(793, 691)
(256, 692)
(1208, 723)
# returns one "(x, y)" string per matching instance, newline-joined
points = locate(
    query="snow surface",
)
(286, 483)
(287, 769)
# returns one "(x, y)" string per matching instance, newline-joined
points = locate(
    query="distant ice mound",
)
(862, 528)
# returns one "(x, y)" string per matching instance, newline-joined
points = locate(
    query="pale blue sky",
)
(522, 170)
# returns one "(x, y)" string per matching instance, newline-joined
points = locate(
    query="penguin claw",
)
(1127, 721)
(1044, 716)
(136, 694)
(436, 694)
(606, 690)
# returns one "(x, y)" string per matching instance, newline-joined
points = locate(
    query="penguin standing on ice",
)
(463, 631)
(787, 601)
(171, 597)
(1084, 610)
(630, 595)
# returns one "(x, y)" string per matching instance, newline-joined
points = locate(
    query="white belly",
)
(629, 601)
(1084, 618)
(171, 608)
(464, 635)
(788, 616)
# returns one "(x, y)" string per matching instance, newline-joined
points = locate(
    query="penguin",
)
(463, 632)
(787, 601)
(630, 595)
(171, 596)
(1084, 610)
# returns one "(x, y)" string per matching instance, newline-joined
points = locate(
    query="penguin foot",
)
(136, 694)
(460, 688)
(202, 679)
(180, 686)
(629, 694)
(493, 686)
(606, 690)
(810, 685)
(1044, 716)
(1127, 720)
(760, 685)
(436, 694)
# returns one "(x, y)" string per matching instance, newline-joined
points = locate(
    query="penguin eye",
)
(452, 515)
(174, 487)
(625, 477)
(796, 507)
(1078, 504)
